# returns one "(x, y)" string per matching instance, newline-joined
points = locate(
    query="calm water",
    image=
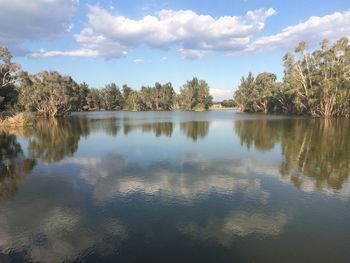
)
(217, 186)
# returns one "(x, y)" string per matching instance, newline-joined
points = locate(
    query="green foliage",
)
(315, 83)
(194, 95)
(93, 99)
(9, 72)
(256, 94)
(111, 97)
(82, 94)
(126, 91)
(48, 93)
(133, 102)
(228, 103)
(159, 97)
(52, 94)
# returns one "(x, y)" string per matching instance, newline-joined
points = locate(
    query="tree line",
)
(52, 94)
(316, 84)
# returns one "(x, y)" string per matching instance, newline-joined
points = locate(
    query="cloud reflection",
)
(190, 179)
(236, 224)
(50, 222)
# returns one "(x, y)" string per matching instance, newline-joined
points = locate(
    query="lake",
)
(215, 186)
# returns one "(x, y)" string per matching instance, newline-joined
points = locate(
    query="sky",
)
(142, 42)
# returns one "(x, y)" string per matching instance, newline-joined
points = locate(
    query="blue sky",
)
(141, 42)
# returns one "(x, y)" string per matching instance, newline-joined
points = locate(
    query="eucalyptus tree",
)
(246, 93)
(166, 96)
(134, 102)
(194, 95)
(319, 82)
(316, 83)
(111, 97)
(83, 92)
(265, 86)
(147, 96)
(94, 100)
(9, 72)
(332, 77)
(228, 103)
(48, 93)
(126, 90)
(298, 80)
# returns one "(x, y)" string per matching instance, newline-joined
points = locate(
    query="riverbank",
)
(219, 107)
(17, 120)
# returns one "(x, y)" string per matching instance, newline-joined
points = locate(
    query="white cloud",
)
(221, 94)
(190, 53)
(72, 53)
(32, 20)
(313, 30)
(139, 61)
(192, 34)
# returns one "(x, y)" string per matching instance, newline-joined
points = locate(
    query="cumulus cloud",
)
(190, 53)
(32, 20)
(313, 30)
(191, 33)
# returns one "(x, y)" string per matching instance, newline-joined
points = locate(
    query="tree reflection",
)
(318, 149)
(158, 128)
(53, 139)
(110, 126)
(195, 129)
(312, 149)
(14, 166)
(263, 134)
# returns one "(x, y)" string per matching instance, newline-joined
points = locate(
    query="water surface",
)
(216, 186)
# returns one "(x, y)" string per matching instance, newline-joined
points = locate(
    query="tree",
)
(228, 103)
(94, 100)
(111, 97)
(48, 93)
(9, 72)
(316, 83)
(134, 102)
(194, 95)
(166, 97)
(246, 94)
(83, 92)
(126, 92)
(158, 97)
